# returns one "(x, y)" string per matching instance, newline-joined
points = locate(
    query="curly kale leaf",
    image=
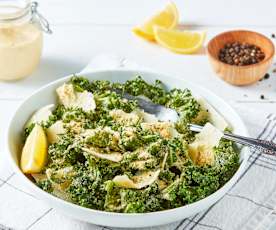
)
(46, 185)
(198, 182)
(184, 103)
(110, 100)
(101, 86)
(102, 139)
(138, 86)
(87, 189)
(64, 153)
(226, 160)
(27, 131)
(133, 201)
(80, 84)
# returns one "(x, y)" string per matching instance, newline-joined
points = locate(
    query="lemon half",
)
(178, 41)
(34, 153)
(167, 18)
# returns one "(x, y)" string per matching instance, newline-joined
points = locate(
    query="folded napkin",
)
(249, 205)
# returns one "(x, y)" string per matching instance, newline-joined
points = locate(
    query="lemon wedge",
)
(34, 153)
(184, 42)
(167, 18)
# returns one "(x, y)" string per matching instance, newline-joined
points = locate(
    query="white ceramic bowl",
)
(46, 95)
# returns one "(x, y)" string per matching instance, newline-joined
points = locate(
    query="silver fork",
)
(166, 114)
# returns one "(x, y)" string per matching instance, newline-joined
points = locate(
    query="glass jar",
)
(21, 38)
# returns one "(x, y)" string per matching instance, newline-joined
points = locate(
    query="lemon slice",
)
(34, 153)
(167, 18)
(184, 42)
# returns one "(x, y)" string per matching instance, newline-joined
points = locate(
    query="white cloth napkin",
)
(250, 204)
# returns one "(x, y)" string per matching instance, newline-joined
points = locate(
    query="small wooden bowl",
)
(240, 75)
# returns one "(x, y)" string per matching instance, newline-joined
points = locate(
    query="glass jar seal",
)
(41, 19)
(27, 13)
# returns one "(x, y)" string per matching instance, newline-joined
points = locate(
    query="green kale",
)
(226, 160)
(184, 103)
(110, 100)
(56, 115)
(129, 139)
(148, 136)
(27, 131)
(46, 185)
(64, 153)
(197, 182)
(107, 169)
(80, 84)
(167, 176)
(102, 139)
(87, 180)
(87, 189)
(139, 201)
(112, 201)
(73, 114)
(138, 86)
(101, 86)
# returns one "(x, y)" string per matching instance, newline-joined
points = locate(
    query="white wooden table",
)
(84, 29)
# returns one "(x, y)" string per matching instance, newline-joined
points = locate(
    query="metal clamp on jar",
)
(21, 38)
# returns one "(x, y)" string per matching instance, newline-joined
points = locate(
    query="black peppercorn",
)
(240, 54)
(266, 76)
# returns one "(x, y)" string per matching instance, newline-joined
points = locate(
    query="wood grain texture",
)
(240, 75)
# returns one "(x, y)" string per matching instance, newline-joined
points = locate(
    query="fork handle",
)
(267, 147)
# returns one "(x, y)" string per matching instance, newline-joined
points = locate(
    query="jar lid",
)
(16, 11)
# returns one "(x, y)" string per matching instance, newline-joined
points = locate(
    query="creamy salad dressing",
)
(21, 38)
(20, 50)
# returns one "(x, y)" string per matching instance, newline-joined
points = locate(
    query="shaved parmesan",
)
(61, 194)
(113, 156)
(201, 150)
(213, 116)
(41, 115)
(165, 129)
(124, 118)
(58, 190)
(140, 164)
(72, 99)
(124, 182)
(54, 131)
(210, 135)
(60, 173)
(148, 118)
(39, 177)
(137, 182)
(143, 154)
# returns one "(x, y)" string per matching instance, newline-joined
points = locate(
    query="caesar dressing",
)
(20, 50)
(21, 39)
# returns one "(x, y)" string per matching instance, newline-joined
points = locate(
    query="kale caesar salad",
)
(99, 150)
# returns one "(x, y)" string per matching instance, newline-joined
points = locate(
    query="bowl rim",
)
(47, 196)
(264, 61)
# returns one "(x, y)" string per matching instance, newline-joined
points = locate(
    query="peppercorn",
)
(240, 54)
(266, 76)
(262, 97)
(273, 35)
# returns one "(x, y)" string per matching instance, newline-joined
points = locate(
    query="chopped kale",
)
(126, 148)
